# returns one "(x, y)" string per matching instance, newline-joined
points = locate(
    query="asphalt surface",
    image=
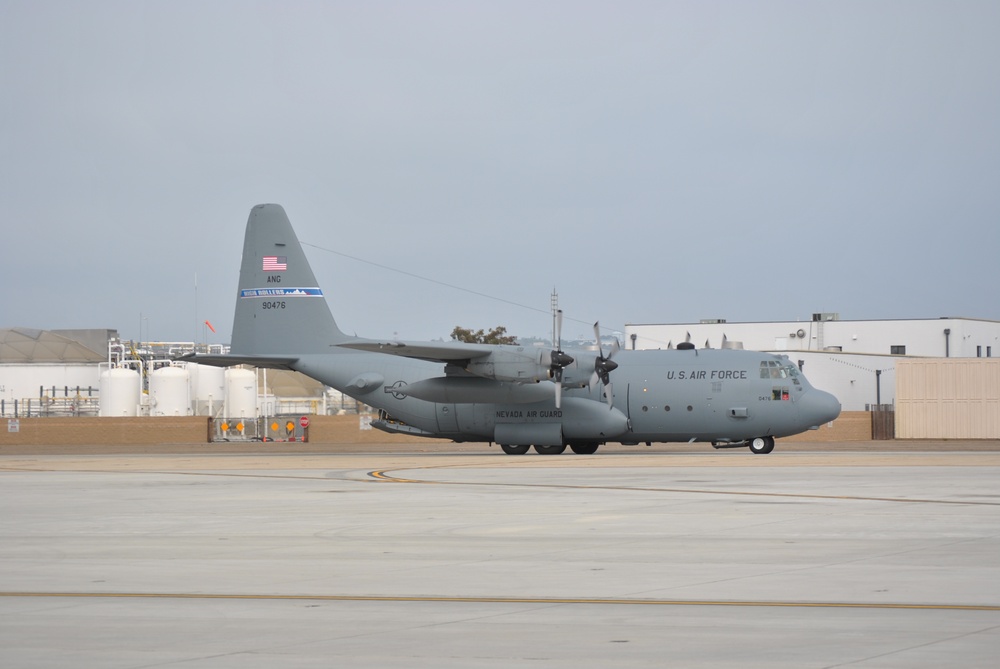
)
(873, 554)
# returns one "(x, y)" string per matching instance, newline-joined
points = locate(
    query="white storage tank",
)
(209, 387)
(121, 390)
(169, 392)
(241, 393)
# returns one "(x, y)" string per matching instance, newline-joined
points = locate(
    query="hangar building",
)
(855, 360)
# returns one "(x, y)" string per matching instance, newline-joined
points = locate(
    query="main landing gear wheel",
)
(550, 450)
(514, 450)
(584, 449)
(761, 445)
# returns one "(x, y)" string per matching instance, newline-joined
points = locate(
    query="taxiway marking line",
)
(510, 600)
(383, 475)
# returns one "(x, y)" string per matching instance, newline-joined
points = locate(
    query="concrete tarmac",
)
(456, 557)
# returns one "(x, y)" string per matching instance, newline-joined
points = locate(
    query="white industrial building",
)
(93, 372)
(854, 360)
(50, 367)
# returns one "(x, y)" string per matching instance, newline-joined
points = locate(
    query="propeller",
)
(603, 366)
(558, 360)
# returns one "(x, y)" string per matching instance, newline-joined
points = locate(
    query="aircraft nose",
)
(819, 407)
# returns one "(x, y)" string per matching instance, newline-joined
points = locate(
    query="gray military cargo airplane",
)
(518, 397)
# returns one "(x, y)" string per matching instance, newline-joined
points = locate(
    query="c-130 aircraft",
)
(518, 397)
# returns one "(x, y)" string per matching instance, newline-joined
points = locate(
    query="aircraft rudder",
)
(280, 307)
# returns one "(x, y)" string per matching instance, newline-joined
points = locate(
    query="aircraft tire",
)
(584, 449)
(549, 450)
(514, 449)
(761, 445)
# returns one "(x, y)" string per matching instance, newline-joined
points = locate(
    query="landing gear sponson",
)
(580, 449)
(757, 445)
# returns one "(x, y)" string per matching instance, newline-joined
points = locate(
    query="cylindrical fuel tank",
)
(121, 389)
(209, 389)
(241, 393)
(169, 392)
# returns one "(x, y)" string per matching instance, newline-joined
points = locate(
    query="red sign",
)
(304, 421)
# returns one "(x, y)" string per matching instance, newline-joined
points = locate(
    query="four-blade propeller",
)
(603, 366)
(558, 360)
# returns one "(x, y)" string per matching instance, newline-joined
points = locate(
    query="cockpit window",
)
(772, 369)
(793, 374)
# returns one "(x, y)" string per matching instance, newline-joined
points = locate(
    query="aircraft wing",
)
(229, 360)
(432, 352)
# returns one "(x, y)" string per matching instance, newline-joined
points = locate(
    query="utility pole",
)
(554, 304)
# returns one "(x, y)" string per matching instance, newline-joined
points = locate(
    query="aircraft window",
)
(780, 393)
(772, 369)
(645, 408)
(690, 408)
(666, 408)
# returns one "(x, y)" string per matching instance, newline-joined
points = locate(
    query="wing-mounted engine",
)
(517, 363)
(522, 365)
(589, 367)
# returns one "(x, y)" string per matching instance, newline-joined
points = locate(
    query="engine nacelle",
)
(514, 363)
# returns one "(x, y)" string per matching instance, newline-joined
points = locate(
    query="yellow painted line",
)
(512, 600)
(384, 475)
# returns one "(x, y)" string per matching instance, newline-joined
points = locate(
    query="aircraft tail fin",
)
(280, 309)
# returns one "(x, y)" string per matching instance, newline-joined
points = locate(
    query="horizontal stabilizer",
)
(443, 352)
(230, 360)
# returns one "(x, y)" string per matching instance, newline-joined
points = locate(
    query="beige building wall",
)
(112, 432)
(948, 398)
(849, 426)
(109, 430)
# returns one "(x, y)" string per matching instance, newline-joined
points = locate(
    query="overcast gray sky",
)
(654, 162)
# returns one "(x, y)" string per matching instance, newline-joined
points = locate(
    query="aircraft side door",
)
(447, 417)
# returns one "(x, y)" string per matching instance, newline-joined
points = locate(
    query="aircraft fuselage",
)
(658, 396)
(516, 396)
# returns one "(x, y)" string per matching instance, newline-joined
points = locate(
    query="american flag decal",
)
(275, 263)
